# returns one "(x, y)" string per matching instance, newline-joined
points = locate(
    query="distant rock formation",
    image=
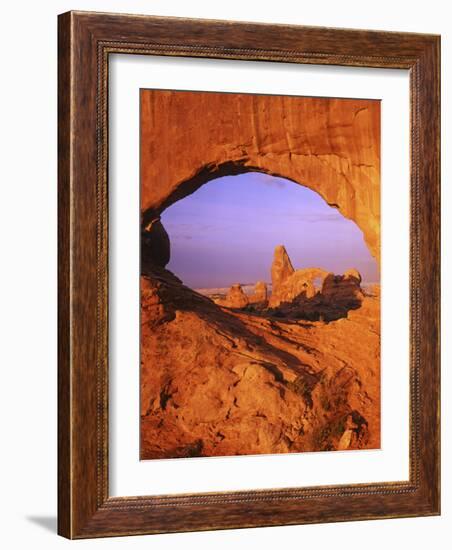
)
(298, 285)
(235, 298)
(288, 284)
(282, 267)
(343, 290)
(302, 283)
(260, 294)
(310, 293)
(314, 291)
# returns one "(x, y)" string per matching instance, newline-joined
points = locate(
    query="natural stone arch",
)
(331, 146)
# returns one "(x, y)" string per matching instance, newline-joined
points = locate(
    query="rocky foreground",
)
(272, 375)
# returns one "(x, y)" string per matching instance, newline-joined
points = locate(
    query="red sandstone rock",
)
(330, 145)
(260, 294)
(235, 298)
(312, 288)
(281, 268)
(343, 290)
(223, 382)
(301, 285)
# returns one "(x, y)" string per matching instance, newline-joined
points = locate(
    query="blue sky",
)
(226, 232)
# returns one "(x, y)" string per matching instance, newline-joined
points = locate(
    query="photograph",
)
(260, 274)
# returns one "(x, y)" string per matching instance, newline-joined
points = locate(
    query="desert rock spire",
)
(282, 267)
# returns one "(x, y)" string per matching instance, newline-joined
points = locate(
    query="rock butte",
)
(331, 146)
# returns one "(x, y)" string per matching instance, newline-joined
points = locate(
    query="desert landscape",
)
(289, 362)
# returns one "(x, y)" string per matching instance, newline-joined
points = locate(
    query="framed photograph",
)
(248, 275)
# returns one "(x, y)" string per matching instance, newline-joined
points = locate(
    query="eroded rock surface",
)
(218, 381)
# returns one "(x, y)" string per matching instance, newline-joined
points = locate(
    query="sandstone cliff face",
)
(217, 381)
(331, 146)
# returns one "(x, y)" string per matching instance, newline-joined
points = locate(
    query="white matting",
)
(129, 475)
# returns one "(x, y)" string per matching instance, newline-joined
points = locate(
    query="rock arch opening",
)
(222, 238)
(330, 145)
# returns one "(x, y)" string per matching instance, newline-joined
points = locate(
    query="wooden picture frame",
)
(86, 40)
